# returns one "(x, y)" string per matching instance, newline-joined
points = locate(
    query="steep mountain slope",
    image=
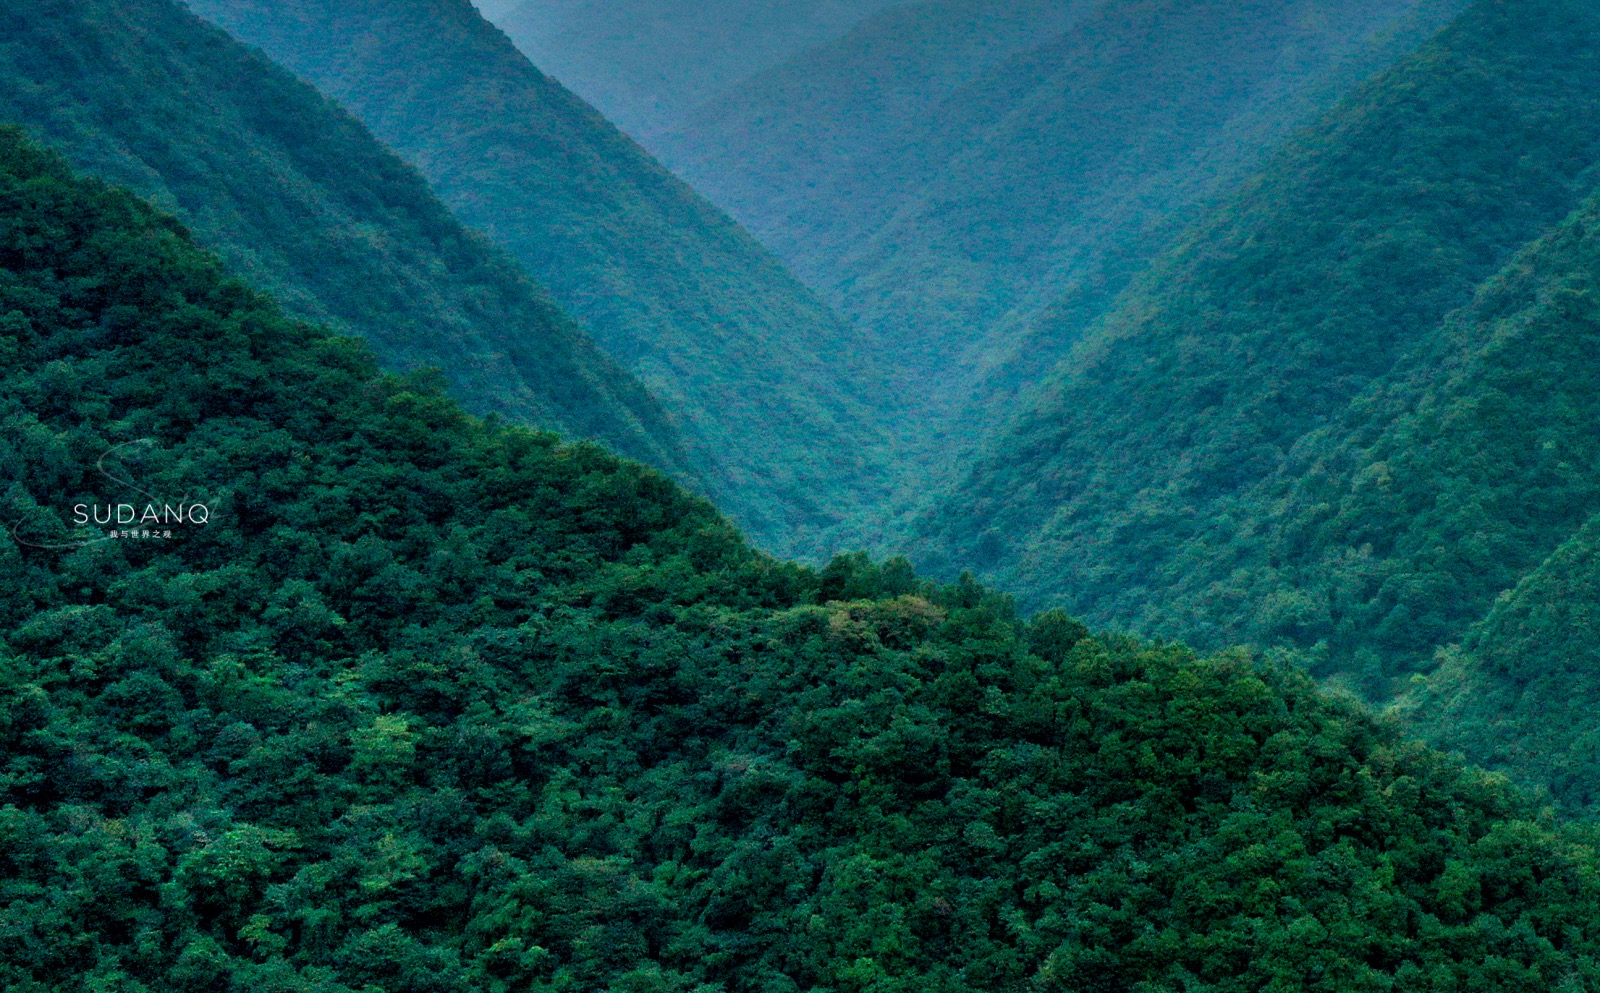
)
(1123, 127)
(299, 197)
(647, 63)
(952, 218)
(1142, 483)
(764, 374)
(1520, 693)
(815, 154)
(430, 705)
(1481, 497)
(1439, 489)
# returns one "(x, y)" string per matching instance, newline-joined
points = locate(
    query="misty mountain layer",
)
(763, 376)
(1351, 408)
(300, 198)
(953, 170)
(646, 64)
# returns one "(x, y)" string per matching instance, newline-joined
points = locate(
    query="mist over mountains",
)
(764, 378)
(948, 173)
(647, 64)
(1181, 414)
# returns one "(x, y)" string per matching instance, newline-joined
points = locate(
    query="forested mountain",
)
(954, 168)
(1520, 693)
(300, 198)
(1464, 469)
(806, 154)
(427, 704)
(1351, 407)
(645, 64)
(762, 372)
(1495, 459)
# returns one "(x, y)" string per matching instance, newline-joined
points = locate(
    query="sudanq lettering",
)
(127, 513)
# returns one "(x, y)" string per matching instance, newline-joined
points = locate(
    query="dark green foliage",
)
(1520, 693)
(769, 382)
(298, 197)
(433, 704)
(1151, 480)
(1442, 487)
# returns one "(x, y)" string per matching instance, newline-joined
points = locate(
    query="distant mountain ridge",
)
(976, 181)
(647, 63)
(762, 374)
(806, 153)
(299, 197)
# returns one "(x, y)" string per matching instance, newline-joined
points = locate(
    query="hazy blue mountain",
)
(807, 154)
(762, 373)
(647, 63)
(495, 9)
(951, 171)
(298, 196)
(1097, 149)
(1280, 434)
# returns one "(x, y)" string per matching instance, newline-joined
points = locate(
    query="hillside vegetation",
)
(1278, 434)
(435, 704)
(297, 196)
(763, 375)
(1097, 149)
(1444, 486)
(954, 170)
(1520, 692)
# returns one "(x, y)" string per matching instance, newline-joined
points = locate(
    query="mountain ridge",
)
(763, 376)
(645, 64)
(298, 196)
(1054, 163)
(1308, 288)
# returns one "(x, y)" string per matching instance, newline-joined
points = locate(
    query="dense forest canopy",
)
(301, 199)
(1350, 412)
(1519, 693)
(438, 704)
(1442, 487)
(1146, 482)
(364, 628)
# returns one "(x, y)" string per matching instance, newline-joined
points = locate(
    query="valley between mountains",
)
(828, 495)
